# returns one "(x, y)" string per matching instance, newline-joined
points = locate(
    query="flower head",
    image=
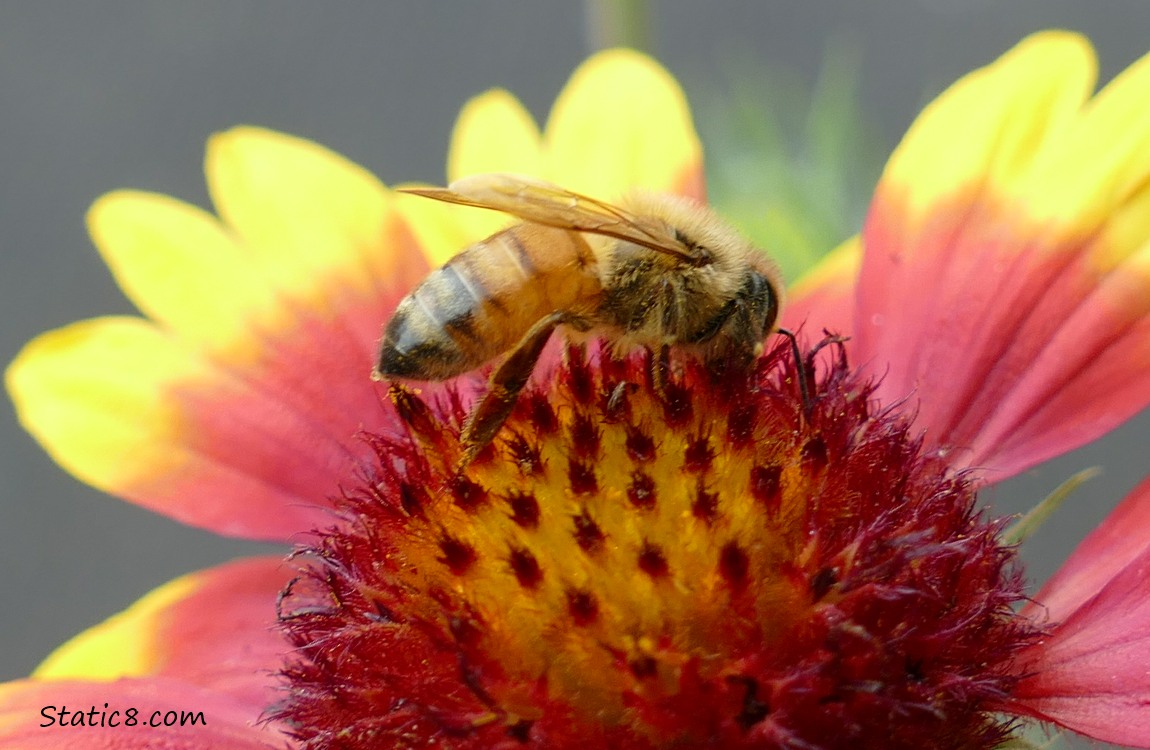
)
(712, 562)
(646, 555)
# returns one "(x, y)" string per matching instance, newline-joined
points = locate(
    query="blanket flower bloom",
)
(786, 556)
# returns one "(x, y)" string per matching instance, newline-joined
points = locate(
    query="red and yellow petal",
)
(824, 297)
(623, 122)
(120, 716)
(131, 410)
(214, 629)
(182, 268)
(238, 409)
(1091, 673)
(985, 130)
(1004, 286)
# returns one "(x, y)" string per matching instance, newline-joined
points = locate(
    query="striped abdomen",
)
(483, 300)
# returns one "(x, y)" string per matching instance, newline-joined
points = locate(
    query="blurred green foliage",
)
(792, 164)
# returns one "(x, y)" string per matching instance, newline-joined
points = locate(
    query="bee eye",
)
(762, 297)
(770, 309)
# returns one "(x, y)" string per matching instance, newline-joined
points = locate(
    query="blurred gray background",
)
(123, 94)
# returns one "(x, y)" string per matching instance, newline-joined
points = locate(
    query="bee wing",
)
(541, 202)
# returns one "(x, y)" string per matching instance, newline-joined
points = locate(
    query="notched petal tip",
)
(181, 268)
(648, 140)
(303, 210)
(494, 133)
(988, 125)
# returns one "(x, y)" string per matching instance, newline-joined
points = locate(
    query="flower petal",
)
(266, 338)
(986, 127)
(118, 716)
(1092, 672)
(1109, 548)
(180, 267)
(623, 122)
(214, 628)
(300, 209)
(493, 133)
(116, 402)
(1004, 284)
(824, 297)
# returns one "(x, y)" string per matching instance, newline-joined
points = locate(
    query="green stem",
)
(1021, 529)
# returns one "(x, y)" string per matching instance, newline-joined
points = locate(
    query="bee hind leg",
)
(503, 389)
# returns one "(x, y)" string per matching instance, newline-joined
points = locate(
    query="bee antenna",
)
(801, 371)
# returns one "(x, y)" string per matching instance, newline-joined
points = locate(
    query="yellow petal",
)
(121, 646)
(987, 127)
(494, 133)
(180, 267)
(621, 122)
(1094, 175)
(78, 388)
(302, 210)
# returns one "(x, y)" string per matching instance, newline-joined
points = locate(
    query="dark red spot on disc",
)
(652, 561)
(734, 565)
(582, 477)
(766, 484)
(582, 607)
(458, 556)
(588, 535)
(526, 568)
(641, 491)
(524, 509)
(698, 456)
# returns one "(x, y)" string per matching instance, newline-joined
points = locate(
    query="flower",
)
(722, 561)
(997, 298)
(235, 406)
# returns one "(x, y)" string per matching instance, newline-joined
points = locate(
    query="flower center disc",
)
(694, 556)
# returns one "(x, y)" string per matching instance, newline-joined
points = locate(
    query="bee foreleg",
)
(659, 370)
(802, 371)
(504, 386)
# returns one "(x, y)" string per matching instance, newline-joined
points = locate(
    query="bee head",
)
(736, 334)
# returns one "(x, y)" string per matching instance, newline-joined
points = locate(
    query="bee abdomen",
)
(433, 334)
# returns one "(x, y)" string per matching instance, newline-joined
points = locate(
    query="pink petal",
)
(215, 628)
(1005, 288)
(824, 298)
(1120, 539)
(1092, 673)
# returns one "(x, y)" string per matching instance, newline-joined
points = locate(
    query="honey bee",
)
(654, 271)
